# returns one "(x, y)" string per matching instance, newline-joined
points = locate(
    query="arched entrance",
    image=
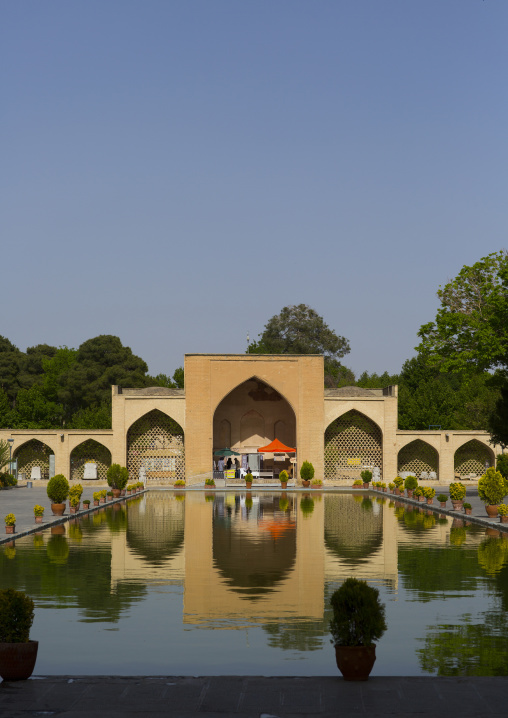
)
(155, 448)
(418, 457)
(251, 416)
(89, 451)
(33, 454)
(472, 458)
(353, 442)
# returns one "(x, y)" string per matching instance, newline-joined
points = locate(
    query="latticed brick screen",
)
(33, 453)
(90, 451)
(352, 443)
(471, 457)
(418, 456)
(156, 442)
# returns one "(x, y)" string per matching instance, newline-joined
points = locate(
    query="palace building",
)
(242, 402)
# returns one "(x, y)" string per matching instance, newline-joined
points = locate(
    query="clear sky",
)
(175, 173)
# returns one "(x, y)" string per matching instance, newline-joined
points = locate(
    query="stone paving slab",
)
(253, 697)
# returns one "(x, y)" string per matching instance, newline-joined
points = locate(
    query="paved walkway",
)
(253, 697)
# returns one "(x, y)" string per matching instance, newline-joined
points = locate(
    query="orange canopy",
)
(276, 447)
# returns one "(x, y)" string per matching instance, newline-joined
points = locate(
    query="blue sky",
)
(175, 173)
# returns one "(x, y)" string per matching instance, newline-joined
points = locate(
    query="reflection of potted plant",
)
(58, 491)
(248, 480)
(366, 477)
(492, 490)
(358, 621)
(283, 478)
(38, 513)
(457, 494)
(493, 555)
(502, 510)
(117, 478)
(17, 652)
(410, 484)
(306, 473)
(306, 505)
(283, 503)
(10, 524)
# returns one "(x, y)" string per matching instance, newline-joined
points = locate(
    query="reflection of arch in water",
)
(418, 456)
(254, 561)
(33, 453)
(156, 442)
(352, 533)
(155, 527)
(352, 440)
(89, 451)
(471, 457)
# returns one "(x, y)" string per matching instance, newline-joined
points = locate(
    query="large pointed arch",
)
(418, 456)
(353, 442)
(253, 409)
(89, 451)
(473, 457)
(155, 448)
(32, 454)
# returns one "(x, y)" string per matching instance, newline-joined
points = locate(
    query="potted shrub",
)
(117, 478)
(58, 491)
(457, 494)
(391, 486)
(210, 482)
(358, 621)
(179, 484)
(38, 513)
(75, 496)
(306, 473)
(17, 653)
(366, 477)
(96, 497)
(492, 490)
(429, 492)
(467, 508)
(502, 510)
(357, 484)
(283, 478)
(86, 504)
(442, 498)
(109, 494)
(418, 494)
(410, 484)
(398, 481)
(102, 496)
(10, 524)
(316, 484)
(248, 480)
(383, 487)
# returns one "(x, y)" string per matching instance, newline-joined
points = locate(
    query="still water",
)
(198, 584)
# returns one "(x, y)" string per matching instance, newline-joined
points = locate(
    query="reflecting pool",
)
(193, 583)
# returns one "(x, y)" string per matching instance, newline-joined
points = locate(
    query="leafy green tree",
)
(298, 329)
(91, 417)
(10, 361)
(31, 365)
(377, 381)
(34, 411)
(6, 412)
(176, 382)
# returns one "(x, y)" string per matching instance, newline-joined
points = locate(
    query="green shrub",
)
(457, 491)
(76, 491)
(358, 614)
(16, 616)
(117, 476)
(306, 471)
(10, 520)
(398, 481)
(502, 465)
(179, 482)
(443, 498)
(466, 505)
(38, 510)
(357, 482)
(248, 478)
(96, 495)
(366, 476)
(502, 509)
(316, 482)
(492, 487)
(411, 483)
(209, 482)
(58, 489)
(283, 476)
(391, 486)
(7, 479)
(418, 492)
(429, 492)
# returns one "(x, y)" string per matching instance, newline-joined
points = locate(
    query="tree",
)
(298, 329)
(10, 361)
(471, 327)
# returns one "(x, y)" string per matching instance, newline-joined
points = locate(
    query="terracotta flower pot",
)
(421, 499)
(492, 511)
(116, 493)
(355, 662)
(442, 504)
(17, 660)
(283, 484)
(365, 485)
(430, 501)
(248, 486)
(457, 505)
(503, 519)
(95, 502)
(58, 509)
(306, 484)
(38, 519)
(10, 529)
(468, 511)
(73, 509)
(102, 500)
(410, 493)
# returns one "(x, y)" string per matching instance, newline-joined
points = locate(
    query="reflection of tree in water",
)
(353, 532)
(254, 553)
(155, 527)
(297, 635)
(493, 555)
(433, 571)
(467, 649)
